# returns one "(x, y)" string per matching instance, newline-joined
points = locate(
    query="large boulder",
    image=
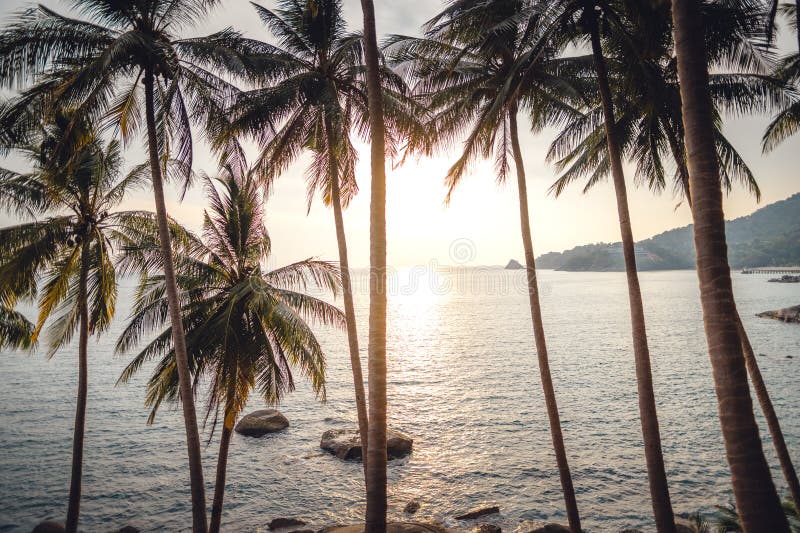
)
(260, 423)
(284, 523)
(346, 443)
(477, 512)
(788, 314)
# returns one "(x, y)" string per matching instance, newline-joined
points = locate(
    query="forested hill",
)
(768, 237)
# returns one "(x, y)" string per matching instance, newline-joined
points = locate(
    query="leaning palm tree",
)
(70, 249)
(124, 64)
(376, 349)
(478, 66)
(757, 501)
(245, 327)
(314, 97)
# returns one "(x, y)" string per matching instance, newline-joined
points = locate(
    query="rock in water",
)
(477, 512)
(411, 507)
(49, 526)
(259, 423)
(514, 265)
(346, 443)
(283, 523)
(551, 528)
(788, 314)
(486, 528)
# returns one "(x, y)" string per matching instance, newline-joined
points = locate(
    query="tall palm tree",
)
(756, 498)
(245, 327)
(119, 56)
(315, 95)
(70, 250)
(792, 13)
(478, 66)
(375, 519)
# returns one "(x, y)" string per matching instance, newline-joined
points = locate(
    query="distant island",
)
(514, 265)
(768, 237)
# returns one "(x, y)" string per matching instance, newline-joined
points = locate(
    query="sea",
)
(462, 381)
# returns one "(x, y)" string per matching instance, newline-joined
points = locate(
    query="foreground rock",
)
(284, 523)
(260, 423)
(551, 528)
(346, 443)
(49, 526)
(788, 314)
(486, 528)
(514, 265)
(478, 512)
(392, 527)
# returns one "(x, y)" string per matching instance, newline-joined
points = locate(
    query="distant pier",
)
(772, 270)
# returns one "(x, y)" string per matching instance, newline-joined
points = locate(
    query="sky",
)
(481, 224)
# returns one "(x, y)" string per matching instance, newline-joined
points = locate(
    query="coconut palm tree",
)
(790, 11)
(71, 249)
(375, 520)
(315, 95)
(647, 101)
(245, 326)
(479, 65)
(756, 498)
(123, 63)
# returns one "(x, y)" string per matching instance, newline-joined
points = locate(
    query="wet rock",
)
(127, 529)
(683, 525)
(284, 523)
(478, 512)
(486, 528)
(787, 314)
(411, 507)
(346, 443)
(49, 526)
(260, 423)
(631, 531)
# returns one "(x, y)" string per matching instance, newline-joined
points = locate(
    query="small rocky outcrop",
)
(260, 423)
(49, 526)
(284, 523)
(788, 314)
(346, 443)
(411, 507)
(392, 527)
(514, 265)
(786, 278)
(477, 512)
(127, 529)
(551, 528)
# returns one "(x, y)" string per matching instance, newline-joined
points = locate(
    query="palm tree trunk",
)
(538, 332)
(73, 507)
(756, 498)
(199, 523)
(768, 409)
(651, 434)
(376, 451)
(222, 460)
(347, 294)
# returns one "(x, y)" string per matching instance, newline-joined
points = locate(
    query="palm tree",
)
(756, 498)
(478, 65)
(70, 249)
(314, 97)
(245, 327)
(647, 101)
(790, 11)
(100, 66)
(375, 520)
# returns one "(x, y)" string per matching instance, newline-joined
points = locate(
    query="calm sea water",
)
(462, 381)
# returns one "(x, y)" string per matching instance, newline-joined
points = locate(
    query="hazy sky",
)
(421, 228)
